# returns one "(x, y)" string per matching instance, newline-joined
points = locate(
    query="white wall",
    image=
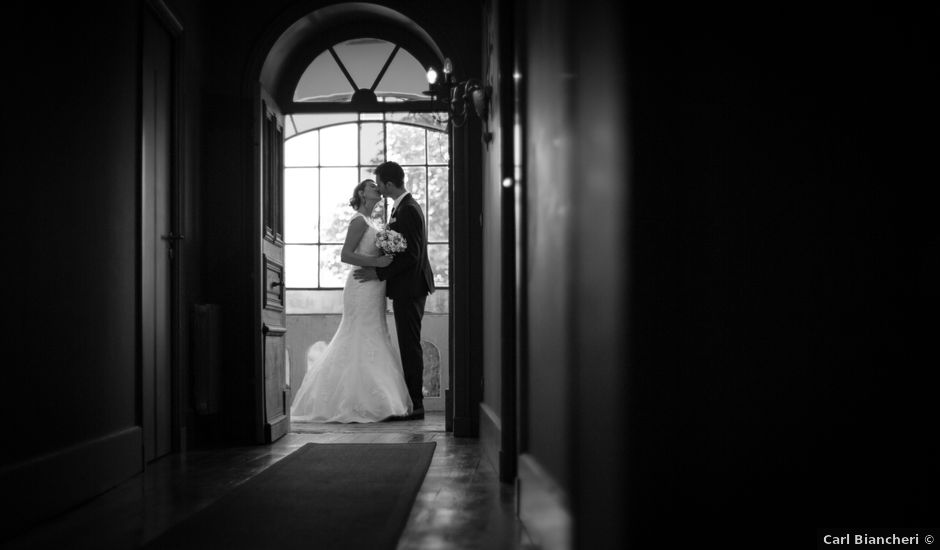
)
(304, 330)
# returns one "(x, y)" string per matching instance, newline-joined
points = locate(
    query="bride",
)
(358, 378)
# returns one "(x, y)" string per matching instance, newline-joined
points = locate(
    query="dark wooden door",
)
(157, 239)
(273, 391)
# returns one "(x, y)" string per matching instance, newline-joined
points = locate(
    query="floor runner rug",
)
(321, 496)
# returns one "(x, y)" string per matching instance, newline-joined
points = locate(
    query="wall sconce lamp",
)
(458, 97)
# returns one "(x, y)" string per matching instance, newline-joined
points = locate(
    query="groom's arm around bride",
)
(402, 263)
(409, 223)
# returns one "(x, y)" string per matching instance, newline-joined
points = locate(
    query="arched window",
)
(363, 71)
(364, 105)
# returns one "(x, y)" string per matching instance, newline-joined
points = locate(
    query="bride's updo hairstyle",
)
(356, 200)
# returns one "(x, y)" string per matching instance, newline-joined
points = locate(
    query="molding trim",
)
(543, 506)
(51, 484)
(491, 428)
(449, 406)
(277, 428)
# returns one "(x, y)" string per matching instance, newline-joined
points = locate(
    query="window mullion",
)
(319, 205)
(385, 67)
(342, 67)
(385, 156)
(427, 186)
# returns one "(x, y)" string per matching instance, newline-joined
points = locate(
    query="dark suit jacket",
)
(409, 275)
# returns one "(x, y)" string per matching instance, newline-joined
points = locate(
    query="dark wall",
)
(576, 186)
(493, 283)
(550, 200)
(780, 369)
(774, 263)
(600, 332)
(190, 209)
(71, 163)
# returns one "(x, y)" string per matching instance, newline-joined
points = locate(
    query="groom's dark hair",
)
(390, 172)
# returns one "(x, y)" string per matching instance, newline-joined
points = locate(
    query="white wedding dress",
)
(358, 378)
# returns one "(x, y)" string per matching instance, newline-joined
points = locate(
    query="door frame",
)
(267, 63)
(171, 24)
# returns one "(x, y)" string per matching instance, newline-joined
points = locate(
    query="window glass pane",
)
(336, 188)
(405, 78)
(366, 173)
(364, 58)
(323, 81)
(438, 152)
(439, 255)
(300, 266)
(332, 270)
(318, 301)
(289, 128)
(438, 203)
(416, 181)
(302, 149)
(306, 122)
(370, 116)
(338, 145)
(371, 143)
(432, 370)
(406, 144)
(439, 302)
(378, 215)
(301, 205)
(436, 121)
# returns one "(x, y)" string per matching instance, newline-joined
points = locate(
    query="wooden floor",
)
(461, 504)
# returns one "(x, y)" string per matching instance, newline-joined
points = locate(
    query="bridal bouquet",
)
(390, 241)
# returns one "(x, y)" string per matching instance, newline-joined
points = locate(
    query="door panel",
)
(276, 397)
(157, 241)
(273, 393)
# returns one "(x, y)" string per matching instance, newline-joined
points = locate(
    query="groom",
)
(408, 278)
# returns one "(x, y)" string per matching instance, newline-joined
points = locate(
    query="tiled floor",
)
(461, 504)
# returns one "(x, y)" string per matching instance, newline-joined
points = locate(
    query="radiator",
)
(206, 361)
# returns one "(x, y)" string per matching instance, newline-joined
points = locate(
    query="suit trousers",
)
(408, 315)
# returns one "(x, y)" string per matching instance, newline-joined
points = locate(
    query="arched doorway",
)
(336, 92)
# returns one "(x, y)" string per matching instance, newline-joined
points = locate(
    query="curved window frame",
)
(361, 167)
(364, 99)
(398, 78)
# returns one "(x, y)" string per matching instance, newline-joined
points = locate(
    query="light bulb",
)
(448, 66)
(432, 76)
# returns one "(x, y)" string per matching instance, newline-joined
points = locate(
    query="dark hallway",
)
(460, 505)
(687, 262)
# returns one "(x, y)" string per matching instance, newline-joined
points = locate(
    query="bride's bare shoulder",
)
(357, 228)
(358, 221)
